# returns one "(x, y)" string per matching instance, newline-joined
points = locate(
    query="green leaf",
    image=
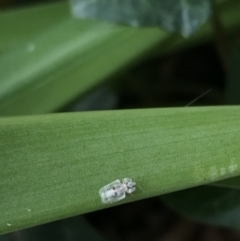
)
(62, 66)
(213, 205)
(42, 69)
(16, 27)
(184, 16)
(54, 165)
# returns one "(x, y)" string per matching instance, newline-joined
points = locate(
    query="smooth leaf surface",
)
(63, 68)
(54, 165)
(16, 27)
(43, 74)
(184, 16)
(213, 205)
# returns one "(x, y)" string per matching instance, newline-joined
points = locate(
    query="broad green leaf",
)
(184, 16)
(54, 165)
(55, 68)
(49, 70)
(16, 27)
(213, 205)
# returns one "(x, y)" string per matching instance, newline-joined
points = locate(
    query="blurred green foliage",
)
(54, 164)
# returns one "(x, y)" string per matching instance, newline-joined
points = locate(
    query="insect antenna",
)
(197, 98)
(140, 188)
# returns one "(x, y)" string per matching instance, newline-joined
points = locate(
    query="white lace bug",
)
(116, 190)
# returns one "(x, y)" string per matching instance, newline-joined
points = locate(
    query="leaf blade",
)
(56, 164)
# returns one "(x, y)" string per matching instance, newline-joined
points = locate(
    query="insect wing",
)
(107, 193)
(103, 190)
(113, 199)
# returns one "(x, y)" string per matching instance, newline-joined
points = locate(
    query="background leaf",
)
(213, 205)
(43, 86)
(184, 16)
